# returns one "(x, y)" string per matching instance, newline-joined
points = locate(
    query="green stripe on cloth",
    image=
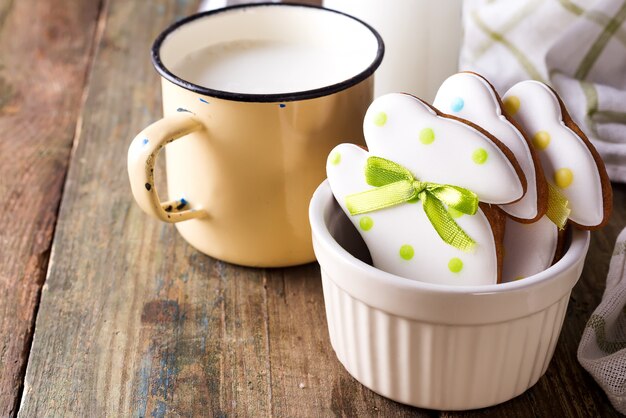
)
(526, 64)
(598, 325)
(598, 46)
(591, 95)
(572, 7)
(609, 116)
(603, 20)
(593, 15)
(507, 26)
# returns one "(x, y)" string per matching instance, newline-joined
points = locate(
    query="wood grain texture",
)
(135, 322)
(87, 350)
(45, 50)
(307, 378)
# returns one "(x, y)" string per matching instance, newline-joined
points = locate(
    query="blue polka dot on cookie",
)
(457, 104)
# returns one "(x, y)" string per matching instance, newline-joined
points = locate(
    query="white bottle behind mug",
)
(422, 40)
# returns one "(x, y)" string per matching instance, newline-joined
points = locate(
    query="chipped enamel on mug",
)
(242, 167)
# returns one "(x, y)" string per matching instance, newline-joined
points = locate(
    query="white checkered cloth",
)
(578, 47)
(602, 350)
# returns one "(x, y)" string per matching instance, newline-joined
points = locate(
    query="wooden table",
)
(106, 312)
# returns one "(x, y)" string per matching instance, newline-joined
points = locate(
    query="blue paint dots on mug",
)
(202, 100)
(182, 203)
(145, 142)
(457, 104)
(282, 105)
(182, 109)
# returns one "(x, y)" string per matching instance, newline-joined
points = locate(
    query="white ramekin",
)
(436, 346)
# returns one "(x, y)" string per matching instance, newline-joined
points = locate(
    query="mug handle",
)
(142, 155)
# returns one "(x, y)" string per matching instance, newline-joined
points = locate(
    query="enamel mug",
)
(254, 98)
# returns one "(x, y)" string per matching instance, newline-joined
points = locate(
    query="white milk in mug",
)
(267, 66)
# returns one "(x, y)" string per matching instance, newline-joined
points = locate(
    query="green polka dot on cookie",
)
(335, 158)
(407, 252)
(380, 119)
(427, 136)
(366, 223)
(479, 156)
(541, 140)
(455, 265)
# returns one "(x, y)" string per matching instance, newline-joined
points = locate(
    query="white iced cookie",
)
(401, 238)
(471, 97)
(529, 248)
(569, 160)
(572, 167)
(406, 130)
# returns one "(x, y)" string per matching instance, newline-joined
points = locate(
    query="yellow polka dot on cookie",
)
(427, 136)
(366, 223)
(511, 105)
(407, 252)
(479, 156)
(541, 140)
(455, 265)
(563, 177)
(380, 119)
(335, 158)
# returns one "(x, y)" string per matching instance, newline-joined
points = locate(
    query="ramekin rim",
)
(322, 198)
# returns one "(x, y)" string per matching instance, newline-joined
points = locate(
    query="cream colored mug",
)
(254, 99)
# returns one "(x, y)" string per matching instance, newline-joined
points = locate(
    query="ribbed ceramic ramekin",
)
(435, 346)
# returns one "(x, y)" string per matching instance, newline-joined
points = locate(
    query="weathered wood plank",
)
(133, 321)
(45, 50)
(307, 378)
(202, 346)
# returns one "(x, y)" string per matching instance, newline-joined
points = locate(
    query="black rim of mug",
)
(263, 98)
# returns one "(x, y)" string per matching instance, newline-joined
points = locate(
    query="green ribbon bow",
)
(558, 210)
(396, 184)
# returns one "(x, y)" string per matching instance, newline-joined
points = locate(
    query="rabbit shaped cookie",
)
(471, 97)
(435, 160)
(573, 169)
(530, 248)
